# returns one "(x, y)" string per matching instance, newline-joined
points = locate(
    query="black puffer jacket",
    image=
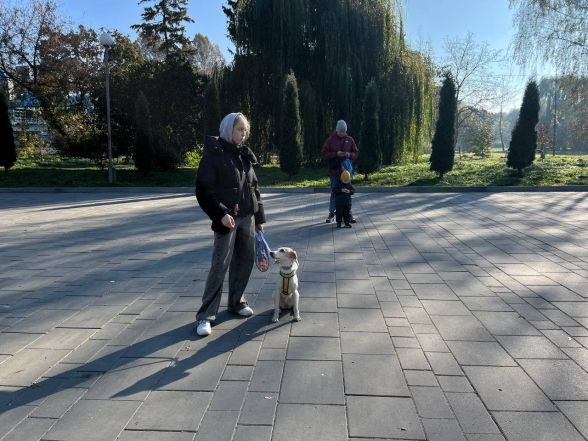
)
(219, 179)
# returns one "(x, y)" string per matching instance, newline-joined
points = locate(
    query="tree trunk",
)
(500, 129)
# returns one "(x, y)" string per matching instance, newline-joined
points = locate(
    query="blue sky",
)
(429, 21)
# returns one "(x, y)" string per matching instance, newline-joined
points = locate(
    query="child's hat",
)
(345, 177)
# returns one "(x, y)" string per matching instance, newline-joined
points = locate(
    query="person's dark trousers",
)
(343, 209)
(333, 181)
(233, 251)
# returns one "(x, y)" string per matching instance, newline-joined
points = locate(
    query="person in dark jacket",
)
(228, 192)
(336, 148)
(343, 191)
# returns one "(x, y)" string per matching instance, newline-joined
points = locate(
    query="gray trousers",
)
(233, 251)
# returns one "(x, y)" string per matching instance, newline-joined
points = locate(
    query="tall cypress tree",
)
(523, 144)
(163, 28)
(144, 152)
(7, 145)
(212, 112)
(442, 150)
(370, 158)
(290, 128)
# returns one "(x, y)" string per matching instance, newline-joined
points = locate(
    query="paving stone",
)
(432, 343)
(373, 375)
(58, 403)
(461, 328)
(559, 379)
(93, 420)
(237, 373)
(10, 343)
(317, 325)
(443, 363)
(259, 409)
(420, 378)
(556, 293)
(400, 331)
(577, 413)
(193, 371)
(454, 384)
(443, 430)
(366, 343)
(507, 388)
(321, 423)
(484, 437)
(316, 289)
(245, 353)
(171, 411)
(383, 417)
(536, 426)
(505, 323)
(445, 307)
(434, 291)
(131, 381)
(218, 425)
(272, 354)
(560, 338)
(12, 416)
(495, 304)
(229, 395)
(28, 365)
(412, 358)
(471, 413)
(314, 348)
(135, 435)
(362, 320)
(357, 301)
(312, 382)
(529, 347)
(320, 304)
(417, 316)
(30, 429)
(253, 433)
(480, 353)
(92, 317)
(267, 376)
(430, 402)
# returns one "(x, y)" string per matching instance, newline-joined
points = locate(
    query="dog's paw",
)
(275, 318)
(297, 318)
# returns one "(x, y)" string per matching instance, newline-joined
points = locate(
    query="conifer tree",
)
(523, 144)
(370, 158)
(162, 27)
(290, 128)
(7, 145)
(144, 152)
(442, 150)
(211, 111)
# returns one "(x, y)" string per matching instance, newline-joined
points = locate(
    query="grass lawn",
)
(470, 171)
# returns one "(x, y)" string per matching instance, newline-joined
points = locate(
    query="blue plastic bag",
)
(346, 165)
(262, 252)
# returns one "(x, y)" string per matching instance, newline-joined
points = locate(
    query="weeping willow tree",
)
(334, 47)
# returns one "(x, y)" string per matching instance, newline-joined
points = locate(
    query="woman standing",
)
(228, 192)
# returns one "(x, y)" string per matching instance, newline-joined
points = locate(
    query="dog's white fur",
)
(288, 261)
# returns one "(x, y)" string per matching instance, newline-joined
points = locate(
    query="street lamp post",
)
(107, 41)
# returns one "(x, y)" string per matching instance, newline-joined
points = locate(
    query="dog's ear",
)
(293, 255)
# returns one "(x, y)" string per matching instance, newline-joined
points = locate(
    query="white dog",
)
(287, 296)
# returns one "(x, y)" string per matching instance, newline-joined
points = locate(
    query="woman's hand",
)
(228, 221)
(259, 227)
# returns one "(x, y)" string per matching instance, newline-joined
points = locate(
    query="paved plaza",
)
(440, 317)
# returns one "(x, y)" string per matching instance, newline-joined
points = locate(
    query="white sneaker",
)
(203, 328)
(245, 312)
